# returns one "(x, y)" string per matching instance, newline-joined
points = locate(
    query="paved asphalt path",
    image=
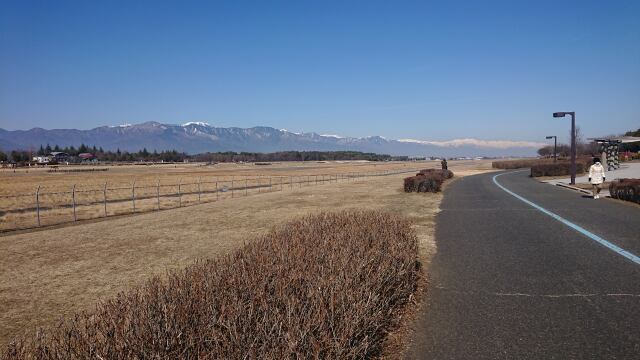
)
(509, 282)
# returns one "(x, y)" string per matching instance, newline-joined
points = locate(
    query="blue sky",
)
(432, 70)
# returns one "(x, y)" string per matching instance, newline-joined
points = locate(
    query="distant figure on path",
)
(444, 164)
(596, 177)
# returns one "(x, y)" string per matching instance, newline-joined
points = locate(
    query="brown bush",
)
(625, 189)
(428, 180)
(325, 286)
(519, 164)
(557, 169)
(411, 183)
(446, 174)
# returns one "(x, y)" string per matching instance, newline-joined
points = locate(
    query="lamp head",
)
(559, 114)
(550, 137)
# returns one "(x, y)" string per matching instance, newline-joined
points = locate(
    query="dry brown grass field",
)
(51, 273)
(156, 187)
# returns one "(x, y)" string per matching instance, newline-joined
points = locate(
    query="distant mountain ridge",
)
(199, 137)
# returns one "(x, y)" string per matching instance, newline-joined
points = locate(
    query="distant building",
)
(59, 157)
(42, 159)
(86, 157)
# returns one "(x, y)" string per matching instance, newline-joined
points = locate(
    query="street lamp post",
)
(555, 146)
(573, 142)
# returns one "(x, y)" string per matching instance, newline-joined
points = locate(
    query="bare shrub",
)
(557, 169)
(325, 286)
(626, 189)
(519, 164)
(428, 180)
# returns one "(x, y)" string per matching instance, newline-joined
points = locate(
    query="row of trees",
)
(294, 156)
(15, 156)
(71, 150)
(175, 156)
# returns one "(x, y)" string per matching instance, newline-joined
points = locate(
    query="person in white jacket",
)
(596, 177)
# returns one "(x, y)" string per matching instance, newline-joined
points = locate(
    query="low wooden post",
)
(158, 194)
(198, 190)
(290, 182)
(133, 195)
(258, 184)
(73, 202)
(180, 193)
(246, 187)
(232, 185)
(217, 192)
(270, 188)
(104, 198)
(38, 204)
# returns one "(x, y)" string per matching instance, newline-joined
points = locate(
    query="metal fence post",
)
(38, 204)
(290, 182)
(104, 198)
(73, 201)
(158, 193)
(217, 192)
(179, 193)
(232, 185)
(258, 184)
(133, 195)
(270, 188)
(246, 187)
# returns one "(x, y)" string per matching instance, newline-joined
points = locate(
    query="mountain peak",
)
(196, 123)
(199, 137)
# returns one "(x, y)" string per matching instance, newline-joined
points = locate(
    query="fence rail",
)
(45, 208)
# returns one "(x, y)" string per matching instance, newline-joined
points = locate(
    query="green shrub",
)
(328, 286)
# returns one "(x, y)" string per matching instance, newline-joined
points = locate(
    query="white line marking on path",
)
(553, 296)
(583, 231)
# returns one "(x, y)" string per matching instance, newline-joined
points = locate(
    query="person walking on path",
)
(596, 177)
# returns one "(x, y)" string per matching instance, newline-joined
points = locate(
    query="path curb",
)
(574, 188)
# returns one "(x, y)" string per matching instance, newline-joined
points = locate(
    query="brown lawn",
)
(49, 274)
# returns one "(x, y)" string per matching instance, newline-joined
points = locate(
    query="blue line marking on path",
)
(587, 233)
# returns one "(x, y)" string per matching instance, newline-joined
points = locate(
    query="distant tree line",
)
(175, 156)
(294, 156)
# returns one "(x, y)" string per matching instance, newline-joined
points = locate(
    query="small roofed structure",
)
(41, 160)
(59, 156)
(86, 156)
(610, 149)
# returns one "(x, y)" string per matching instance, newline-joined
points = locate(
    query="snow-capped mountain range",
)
(199, 137)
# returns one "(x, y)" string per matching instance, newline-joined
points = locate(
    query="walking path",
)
(528, 271)
(626, 170)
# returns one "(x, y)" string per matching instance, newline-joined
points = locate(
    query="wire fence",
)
(46, 208)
